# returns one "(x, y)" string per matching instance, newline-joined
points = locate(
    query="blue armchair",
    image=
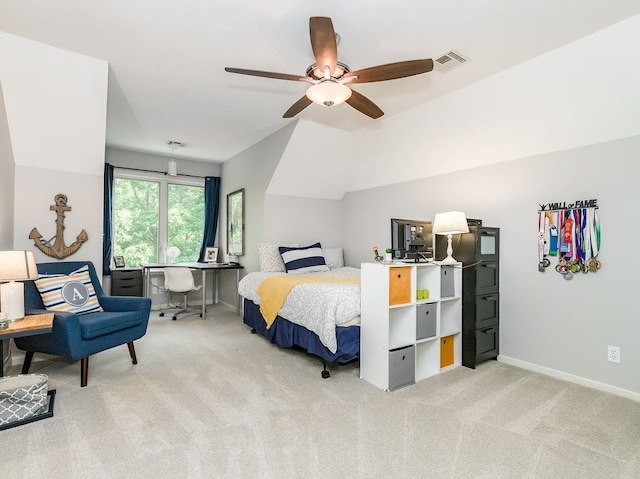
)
(77, 336)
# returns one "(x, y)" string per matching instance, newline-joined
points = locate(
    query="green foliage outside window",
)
(136, 218)
(185, 221)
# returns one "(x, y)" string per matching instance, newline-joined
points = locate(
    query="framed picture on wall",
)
(235, 223)
(211, 255)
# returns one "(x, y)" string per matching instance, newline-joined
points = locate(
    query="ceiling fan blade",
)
(259, 73)
(391, 71)
(364, 105)
(323, 43)
(297, 107)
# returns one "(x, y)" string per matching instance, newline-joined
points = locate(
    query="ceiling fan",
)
(329, 78)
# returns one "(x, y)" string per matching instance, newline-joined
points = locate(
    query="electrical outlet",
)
(613, 354)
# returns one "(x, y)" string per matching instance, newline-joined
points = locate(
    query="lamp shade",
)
(17, 266)
(328, 93)
(172, 168)
(451, 222)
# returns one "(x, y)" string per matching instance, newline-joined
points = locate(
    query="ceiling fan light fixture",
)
(328, 93)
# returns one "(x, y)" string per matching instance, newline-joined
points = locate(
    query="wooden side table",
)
(29, 326)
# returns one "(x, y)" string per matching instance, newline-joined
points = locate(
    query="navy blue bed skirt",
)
(287, 335)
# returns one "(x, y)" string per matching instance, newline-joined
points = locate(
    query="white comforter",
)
(319, 307)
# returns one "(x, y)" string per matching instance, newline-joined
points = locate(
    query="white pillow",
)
(269, 256)
(333, 257)
(306, 259)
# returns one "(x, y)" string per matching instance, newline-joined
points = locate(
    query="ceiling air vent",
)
(450, 60)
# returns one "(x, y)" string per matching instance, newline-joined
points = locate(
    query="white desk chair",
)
(180, 280)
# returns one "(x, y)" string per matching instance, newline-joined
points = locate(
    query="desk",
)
(29, 326)
(203, 267)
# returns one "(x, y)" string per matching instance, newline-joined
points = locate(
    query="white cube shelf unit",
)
(411, 321)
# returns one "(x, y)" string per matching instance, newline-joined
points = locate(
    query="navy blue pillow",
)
(306, 259)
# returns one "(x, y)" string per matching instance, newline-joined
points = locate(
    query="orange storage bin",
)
(446, 351)
(399, 285)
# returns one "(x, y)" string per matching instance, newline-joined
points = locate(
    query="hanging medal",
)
(553, 235)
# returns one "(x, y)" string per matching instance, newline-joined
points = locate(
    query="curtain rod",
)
(153, 171)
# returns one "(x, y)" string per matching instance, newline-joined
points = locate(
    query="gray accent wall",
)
(7, 180)
(547, 323)
(303, 220)
(252, 170)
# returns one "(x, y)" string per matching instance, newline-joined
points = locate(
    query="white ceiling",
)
(167, 58)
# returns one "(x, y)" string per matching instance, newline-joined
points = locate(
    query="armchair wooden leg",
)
(132, 352)
(84, 371)
(28, 357)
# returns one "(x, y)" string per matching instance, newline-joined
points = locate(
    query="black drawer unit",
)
(482, 243)
(486, 343)
(487, 310)
(479, 251)
(126, 282)
(487, 277)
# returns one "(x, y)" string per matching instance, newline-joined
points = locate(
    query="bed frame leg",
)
(253, 331)
(325, 373)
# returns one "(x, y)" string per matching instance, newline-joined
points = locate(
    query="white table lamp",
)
(15, 266)
(450, 223)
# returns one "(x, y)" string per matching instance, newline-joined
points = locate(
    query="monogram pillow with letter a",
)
(73, 293)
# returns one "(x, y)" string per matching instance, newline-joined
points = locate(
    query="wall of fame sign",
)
(569, 237)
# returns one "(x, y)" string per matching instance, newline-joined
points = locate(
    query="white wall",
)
(35, 192)
(7, 187)
(145, 161)
(303, 220)
(56, 102)
(314, 164)
(6, 201)
(252, 169)
(581, 94)
(55, 105)
(545, 321)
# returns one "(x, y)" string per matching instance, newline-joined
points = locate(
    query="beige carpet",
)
(210, 400)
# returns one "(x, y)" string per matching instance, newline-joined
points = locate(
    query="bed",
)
(317, 311)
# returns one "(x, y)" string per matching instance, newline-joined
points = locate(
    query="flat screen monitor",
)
(411, 240)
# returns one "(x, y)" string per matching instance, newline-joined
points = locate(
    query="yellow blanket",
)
(274, 290)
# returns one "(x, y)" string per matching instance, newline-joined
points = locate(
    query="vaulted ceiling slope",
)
(167, 59)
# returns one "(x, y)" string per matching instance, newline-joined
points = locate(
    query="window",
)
(152, 213)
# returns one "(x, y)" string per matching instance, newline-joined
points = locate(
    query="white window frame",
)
(163, 199)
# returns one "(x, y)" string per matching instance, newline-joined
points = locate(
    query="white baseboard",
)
(570, 377)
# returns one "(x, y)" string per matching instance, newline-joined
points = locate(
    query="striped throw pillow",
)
(73, 293)
(306, 259)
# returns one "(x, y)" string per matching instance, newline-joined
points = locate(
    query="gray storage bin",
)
(426, 320)
(402, 367)
(22, 397)
(447, 286)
